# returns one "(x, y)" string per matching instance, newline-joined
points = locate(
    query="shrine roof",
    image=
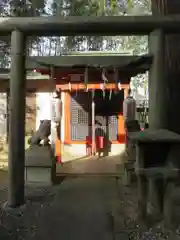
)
(129, 64)
(82, 61)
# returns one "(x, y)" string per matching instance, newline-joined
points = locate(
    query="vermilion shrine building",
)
(79, 76)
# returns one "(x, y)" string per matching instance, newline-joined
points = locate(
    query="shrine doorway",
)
(108, 107)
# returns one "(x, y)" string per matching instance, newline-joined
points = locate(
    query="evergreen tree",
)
(18, 8)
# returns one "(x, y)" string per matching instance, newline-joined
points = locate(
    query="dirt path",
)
(77, 209)
(87, 208)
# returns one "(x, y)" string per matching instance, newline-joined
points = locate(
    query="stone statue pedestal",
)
(40, 166)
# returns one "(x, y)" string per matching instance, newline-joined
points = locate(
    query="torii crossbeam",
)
(76, 25)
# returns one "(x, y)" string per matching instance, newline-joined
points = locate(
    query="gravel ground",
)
(21, 223)
(128, 215)
(82, 208)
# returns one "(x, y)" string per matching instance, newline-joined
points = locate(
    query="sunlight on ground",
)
(3, 177)
(4, 160)
(4, 152)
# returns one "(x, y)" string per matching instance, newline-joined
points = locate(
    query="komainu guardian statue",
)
(41, 136)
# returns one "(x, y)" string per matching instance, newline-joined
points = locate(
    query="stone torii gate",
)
(19, 28)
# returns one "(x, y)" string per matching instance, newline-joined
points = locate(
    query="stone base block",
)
(40, 166)
(38, 175)
(39, 156)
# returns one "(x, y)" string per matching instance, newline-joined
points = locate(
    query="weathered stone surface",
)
(39, 156)
(153, 201)
(39, 164)
(38, 175)
(161, 135)
(122, 236)
(158, 172)
(155, 152)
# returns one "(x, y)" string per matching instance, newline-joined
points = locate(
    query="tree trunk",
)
(172, 58)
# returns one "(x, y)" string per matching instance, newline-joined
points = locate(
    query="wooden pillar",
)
(158, 88)
(125, 92)
(59, 140)
(93, 126)
(16, 154)
(7, 115)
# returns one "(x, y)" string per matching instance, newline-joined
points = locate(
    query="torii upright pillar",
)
(158, 104)
(16, 155)
(158, 89)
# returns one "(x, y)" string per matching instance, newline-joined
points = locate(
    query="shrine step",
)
(40, 165)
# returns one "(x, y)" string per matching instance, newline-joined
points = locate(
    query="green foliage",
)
(57, 45)
(18, 8)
